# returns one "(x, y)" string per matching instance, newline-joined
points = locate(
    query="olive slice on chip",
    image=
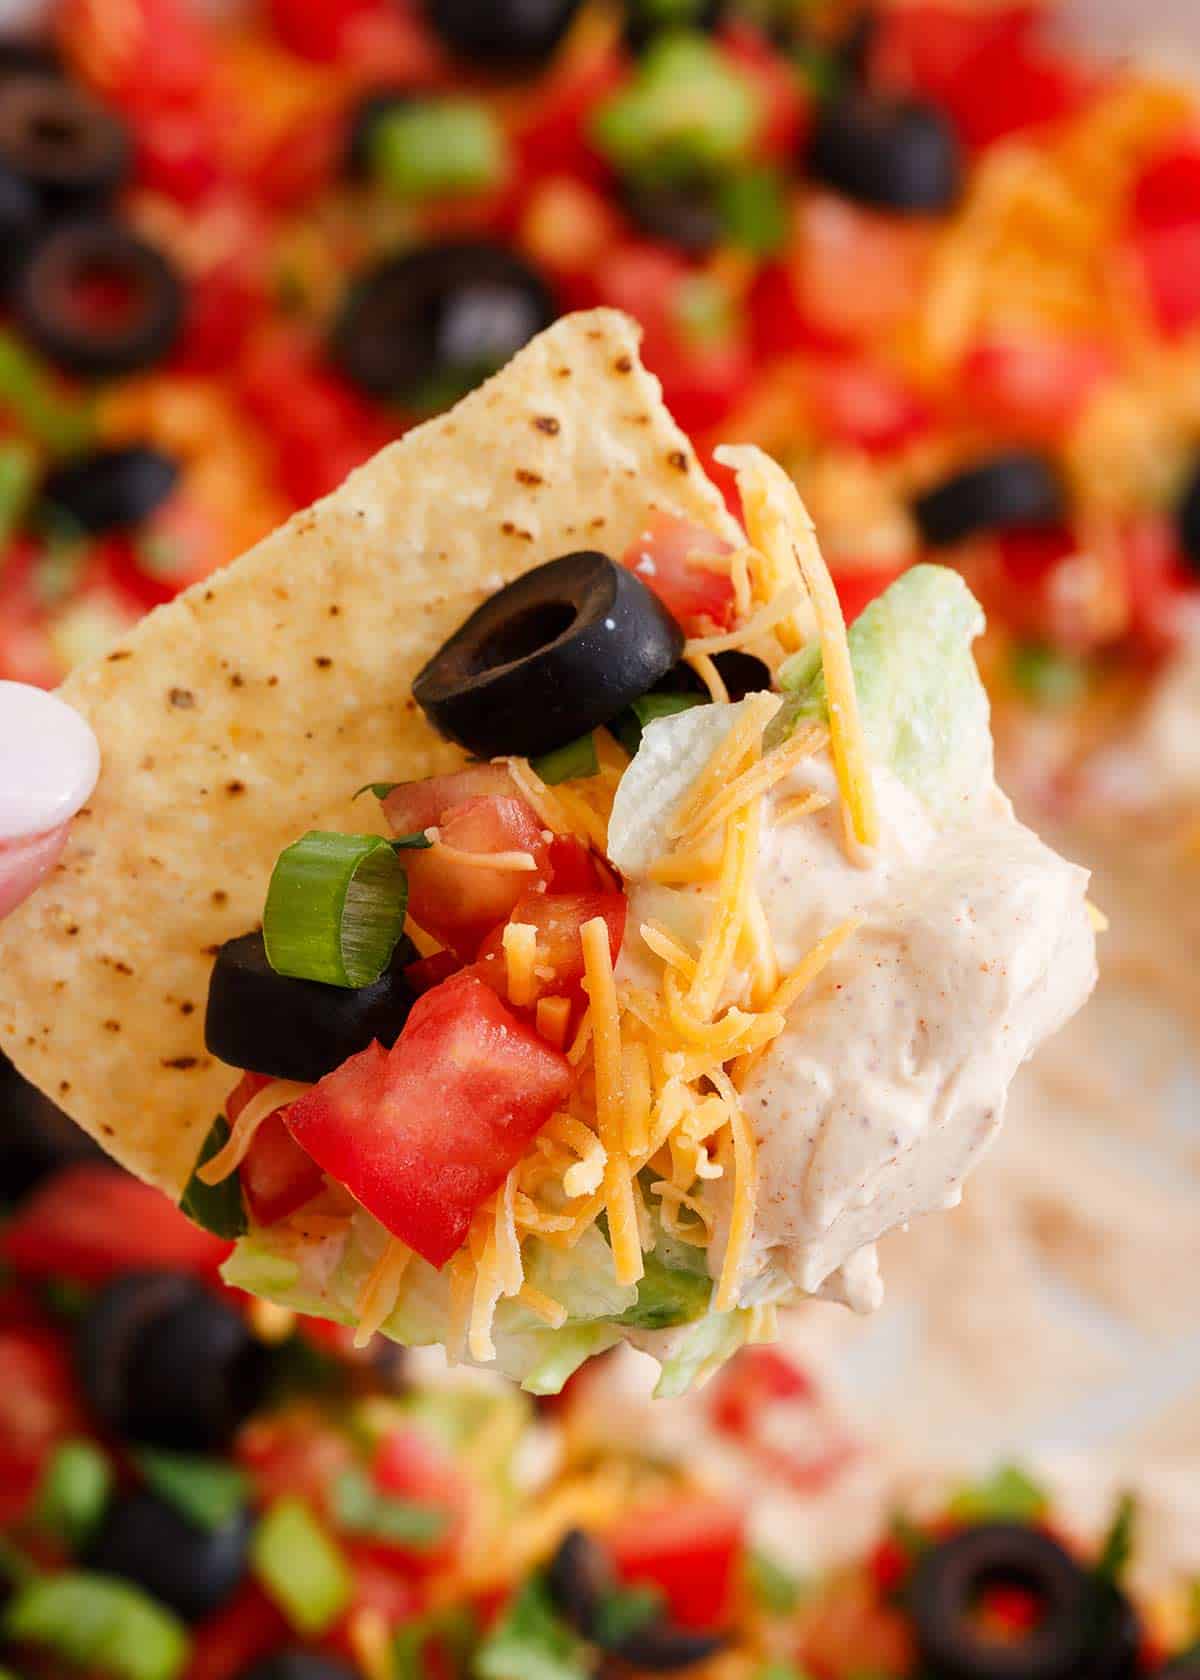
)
(298, 1029)
(98, 300)
(551, 656)
(1006, 492)
(897, 155)
(111, 489)
(952, 1579)
(71, 150)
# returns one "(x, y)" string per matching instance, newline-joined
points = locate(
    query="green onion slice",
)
(379, 789)
(100, 1624)
(207, 1491)
(73, 1492)
(300, 1567)
(629, 725)
(574, 761)
(218, 1208)
(416, 842)
(335, 909)
(361, 1509)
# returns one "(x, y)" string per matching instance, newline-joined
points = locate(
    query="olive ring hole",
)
(526, 633)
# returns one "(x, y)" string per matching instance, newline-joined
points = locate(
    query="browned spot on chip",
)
(187, 1008)
(524, 476)
(120, 653)
(234, 788)
(64, 1085)
(112, 1026)
(548, 424)
(220, 898)
(623, 364)
(122, 967)
(597, 524)
(72, 930)
(183, 698)
(322, 662)
(272, 682)
(508, 527)
(183, 1063)
(562, 373)
(334, 610)
(678, 459)
(237, 680)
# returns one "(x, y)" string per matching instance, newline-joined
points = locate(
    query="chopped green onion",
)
(65, 1298)
(300, 1568)
(217, 1207)
(73, 1492)
(667, 1296)
(29, 392)
(628, 727)
(1047, 677)
(821, 70)
(1008, 1495)
(532, 1642)
(570, 763)
(704, 311)
(785, 1671)
(688, 109)
(417, 842)
(207, 1491)
(754, 211)
(18, 474)
(335, 909)
(652, 15)
(773, 1588)
(1118, 1543)
(625, 1610)
(361, 1509)
(426, 148)
(99, 1624)
(379, 789)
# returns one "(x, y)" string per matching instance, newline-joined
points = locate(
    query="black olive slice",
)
(1186, 1667)
(19, 221)
(645, 20)
(71, 150)
(501, 34)
(946, 1589)
(298, 1029)
(192, 1570)
(548, 658)
(999, 494)
(108, 1334)
(36, 1138)
(1187, 520)
(1117, 1638)
(23, 53)
(741, 673)
(896, 155)
(195, 1375)
(579, 1577)
(686, 215)
(299, 1665)
(111, 489)
(426, 327)
(98, 300)
(364, 118)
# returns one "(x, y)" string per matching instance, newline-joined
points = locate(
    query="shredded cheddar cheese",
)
(381, 1291)
(278, 1094)
(520, 957)
(553, 1017)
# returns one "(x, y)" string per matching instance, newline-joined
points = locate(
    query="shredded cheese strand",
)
(663, 943)
(759, 779)
(519, 942)
(744, 738)
(511, 863)
(712, 679)
(377, 1301)
(745, 1195)
(737, 873)
(782, 606)
(280, 1093)
(778, 521)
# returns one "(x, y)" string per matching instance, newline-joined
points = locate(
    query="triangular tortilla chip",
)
(251, 709)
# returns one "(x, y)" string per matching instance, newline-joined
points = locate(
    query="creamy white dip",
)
(890, 1078)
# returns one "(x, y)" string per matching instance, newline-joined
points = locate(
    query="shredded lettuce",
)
(695, 1353)
(924, 709)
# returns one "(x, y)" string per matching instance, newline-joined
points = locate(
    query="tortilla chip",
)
(251, 708)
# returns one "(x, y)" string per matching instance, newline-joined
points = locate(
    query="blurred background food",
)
(942, 258)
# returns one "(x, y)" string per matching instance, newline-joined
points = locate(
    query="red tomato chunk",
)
(669, 558)
(690, 1550)
(559, 919)
(425, 1132)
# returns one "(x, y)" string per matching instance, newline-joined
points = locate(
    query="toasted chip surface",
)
(251, 708)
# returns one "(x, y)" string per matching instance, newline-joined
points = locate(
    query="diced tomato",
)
(90, 1223)
(1158, 580)
(1034, 385)
(429, 972)
(1168, 262)
(889, 1566)
(293, 1452)
(759, 1376)
(567, 226)
(380, 1586)
(784, 95)
(412, 807)
(559, 919)
(37, 1410)
(857, 586)
(424, 1133)
(178, 152)
(228, 1643)
(457, 902)
(865, 405)
(764, 1399)
(1012, 1611)
(277, 1177)
(572, 866)
(224, 304)
(26, 654)
(151, 52)
(704, 369)
(1038, 87)
(553, 137)
(665, 557)
(690, 1549)
(409, 1465)
(317, 29)
(848, 1632)
(1167, 191)
(248, 1086)
(297, 165)
(854, 272)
